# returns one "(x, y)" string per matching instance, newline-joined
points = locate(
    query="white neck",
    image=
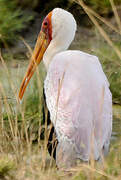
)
(63, 32)
(53, 48)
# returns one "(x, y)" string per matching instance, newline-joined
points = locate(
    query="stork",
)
(76, 89)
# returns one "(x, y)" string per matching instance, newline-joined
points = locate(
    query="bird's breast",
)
(73, 83)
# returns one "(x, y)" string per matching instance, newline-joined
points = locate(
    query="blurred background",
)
(17, 16)
(22, 19)
(98, 33)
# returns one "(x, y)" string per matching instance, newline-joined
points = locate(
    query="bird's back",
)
(79, 101)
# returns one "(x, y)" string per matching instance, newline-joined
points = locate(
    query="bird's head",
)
(59, 26)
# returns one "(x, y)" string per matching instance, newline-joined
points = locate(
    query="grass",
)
(12, 20)
(23, 155)
(14, 16)
(111, 66)
(106, 45)
(29, 159)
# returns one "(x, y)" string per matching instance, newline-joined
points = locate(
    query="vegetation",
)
(23, 154)
(12, 21)
(102, 7)
(42, 6)
(112, 70)
(108, 52)
(21, 158)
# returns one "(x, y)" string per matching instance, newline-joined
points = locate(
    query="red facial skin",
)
(47, 26)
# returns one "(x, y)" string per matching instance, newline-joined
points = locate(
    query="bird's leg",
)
(52, 141)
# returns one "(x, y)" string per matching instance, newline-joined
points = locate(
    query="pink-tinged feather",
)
(83, 107)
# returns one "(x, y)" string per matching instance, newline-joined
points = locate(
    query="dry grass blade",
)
(58, 93)
(100, 18)
(101, 108)
(1, 119)
(8, 75)
(27, 45)
(101, 30)
(9, 113)
(44, 155)
(16, 98)
(59, 88)
(116, 14)
(92, 161)
(14, 125)
(84, 166)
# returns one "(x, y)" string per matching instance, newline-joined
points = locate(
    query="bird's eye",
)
(45, 23)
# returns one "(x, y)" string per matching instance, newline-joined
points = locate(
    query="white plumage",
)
(63, 32)
(78, 97)
(80, 103)
(76, 89)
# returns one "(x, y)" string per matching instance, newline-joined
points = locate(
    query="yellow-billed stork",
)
(76, 89)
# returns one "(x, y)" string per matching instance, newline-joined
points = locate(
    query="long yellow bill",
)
(40, 47)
